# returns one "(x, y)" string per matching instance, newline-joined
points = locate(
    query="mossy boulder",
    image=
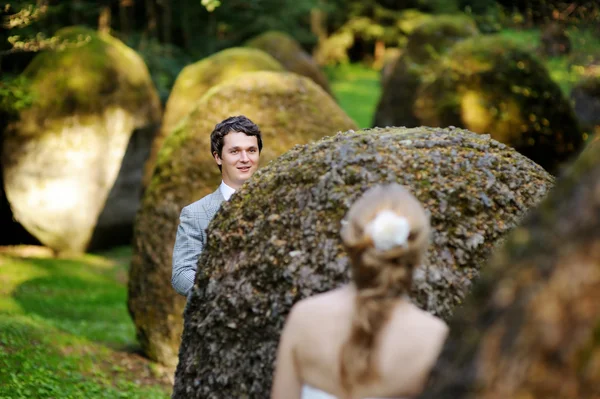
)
(431, 38)
(63, 155)
(586, 103)
(434, 35)
(289, 109)
(195, 80)
(277, 240)
(488, 85)
(290, 54)
(530, 328)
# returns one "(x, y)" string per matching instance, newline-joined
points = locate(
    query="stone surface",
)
(586, 103)
(432, 37)
(288, 108)
(530, 327)
(488, 85)
(62, 156)
(277, 240)
(290, 54)
(196, 79)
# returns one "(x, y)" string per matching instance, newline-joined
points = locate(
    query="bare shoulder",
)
(319, 306)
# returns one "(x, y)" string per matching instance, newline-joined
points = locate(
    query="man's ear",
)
(217, 158)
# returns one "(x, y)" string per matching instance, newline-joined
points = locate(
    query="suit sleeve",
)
(189, 243)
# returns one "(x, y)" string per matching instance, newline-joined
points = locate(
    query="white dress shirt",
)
(226, 190)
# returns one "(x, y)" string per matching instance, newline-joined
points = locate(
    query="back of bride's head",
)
(386, 234)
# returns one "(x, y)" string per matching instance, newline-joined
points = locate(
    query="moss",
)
(290, 54)
(93, 70)
(196, 79)
(288, 108)
(530, 327)
(63, 154)
(276, 241)
(432, 37)
(436, 34)
(585, 97)
(489, 85)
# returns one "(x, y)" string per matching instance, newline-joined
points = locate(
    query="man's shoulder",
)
(204, 202)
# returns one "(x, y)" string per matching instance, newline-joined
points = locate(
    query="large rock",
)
(288, 108)
(530, 328)
(290, 54)
(62, 157)
(586, 103)
(488, 85)
(196, 79)
(277, 240)
(431, 38)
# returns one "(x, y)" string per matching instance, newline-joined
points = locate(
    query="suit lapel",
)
(214, 203)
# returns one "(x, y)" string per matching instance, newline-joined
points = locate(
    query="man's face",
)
(239, 158)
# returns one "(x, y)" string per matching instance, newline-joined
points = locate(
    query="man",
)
(235, 144)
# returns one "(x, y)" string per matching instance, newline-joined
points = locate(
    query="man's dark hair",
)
(233, 124)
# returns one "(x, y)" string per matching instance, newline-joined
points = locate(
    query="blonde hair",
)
(380, 276)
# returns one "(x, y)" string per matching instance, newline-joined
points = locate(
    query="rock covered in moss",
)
(431, 38)
(288, 108)
(435, 35)
(277, 240)
(62, 156)
(530, 327)
(488, 85)
(586, 103)
(290, 54)
(195, 80)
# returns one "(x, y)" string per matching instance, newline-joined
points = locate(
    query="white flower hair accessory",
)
(388, 230)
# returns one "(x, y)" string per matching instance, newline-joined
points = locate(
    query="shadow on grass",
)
(79, 299)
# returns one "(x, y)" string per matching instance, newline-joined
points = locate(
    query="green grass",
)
(357, 89)
(65, 331)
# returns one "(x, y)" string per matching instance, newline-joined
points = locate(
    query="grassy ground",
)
(65, 331)
(357, 90)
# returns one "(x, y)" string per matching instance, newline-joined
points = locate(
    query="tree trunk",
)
(186, 26)
(530, 328)
(125, 17)
(152, 24)
(318, 27)
(104, 20)
(167, 17)
(74, 12)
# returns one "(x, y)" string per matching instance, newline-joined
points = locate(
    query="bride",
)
(365, 340)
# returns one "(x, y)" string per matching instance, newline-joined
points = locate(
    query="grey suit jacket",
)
(191, 239)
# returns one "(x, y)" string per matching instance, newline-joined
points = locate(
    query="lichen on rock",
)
(289, 109)
(291, 55)
(62, 156)
(530, 328)
(277, 240)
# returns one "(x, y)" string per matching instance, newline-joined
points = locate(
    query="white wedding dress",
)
(309, 392)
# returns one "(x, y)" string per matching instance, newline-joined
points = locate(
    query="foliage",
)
(14, 95)
(63, 324)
